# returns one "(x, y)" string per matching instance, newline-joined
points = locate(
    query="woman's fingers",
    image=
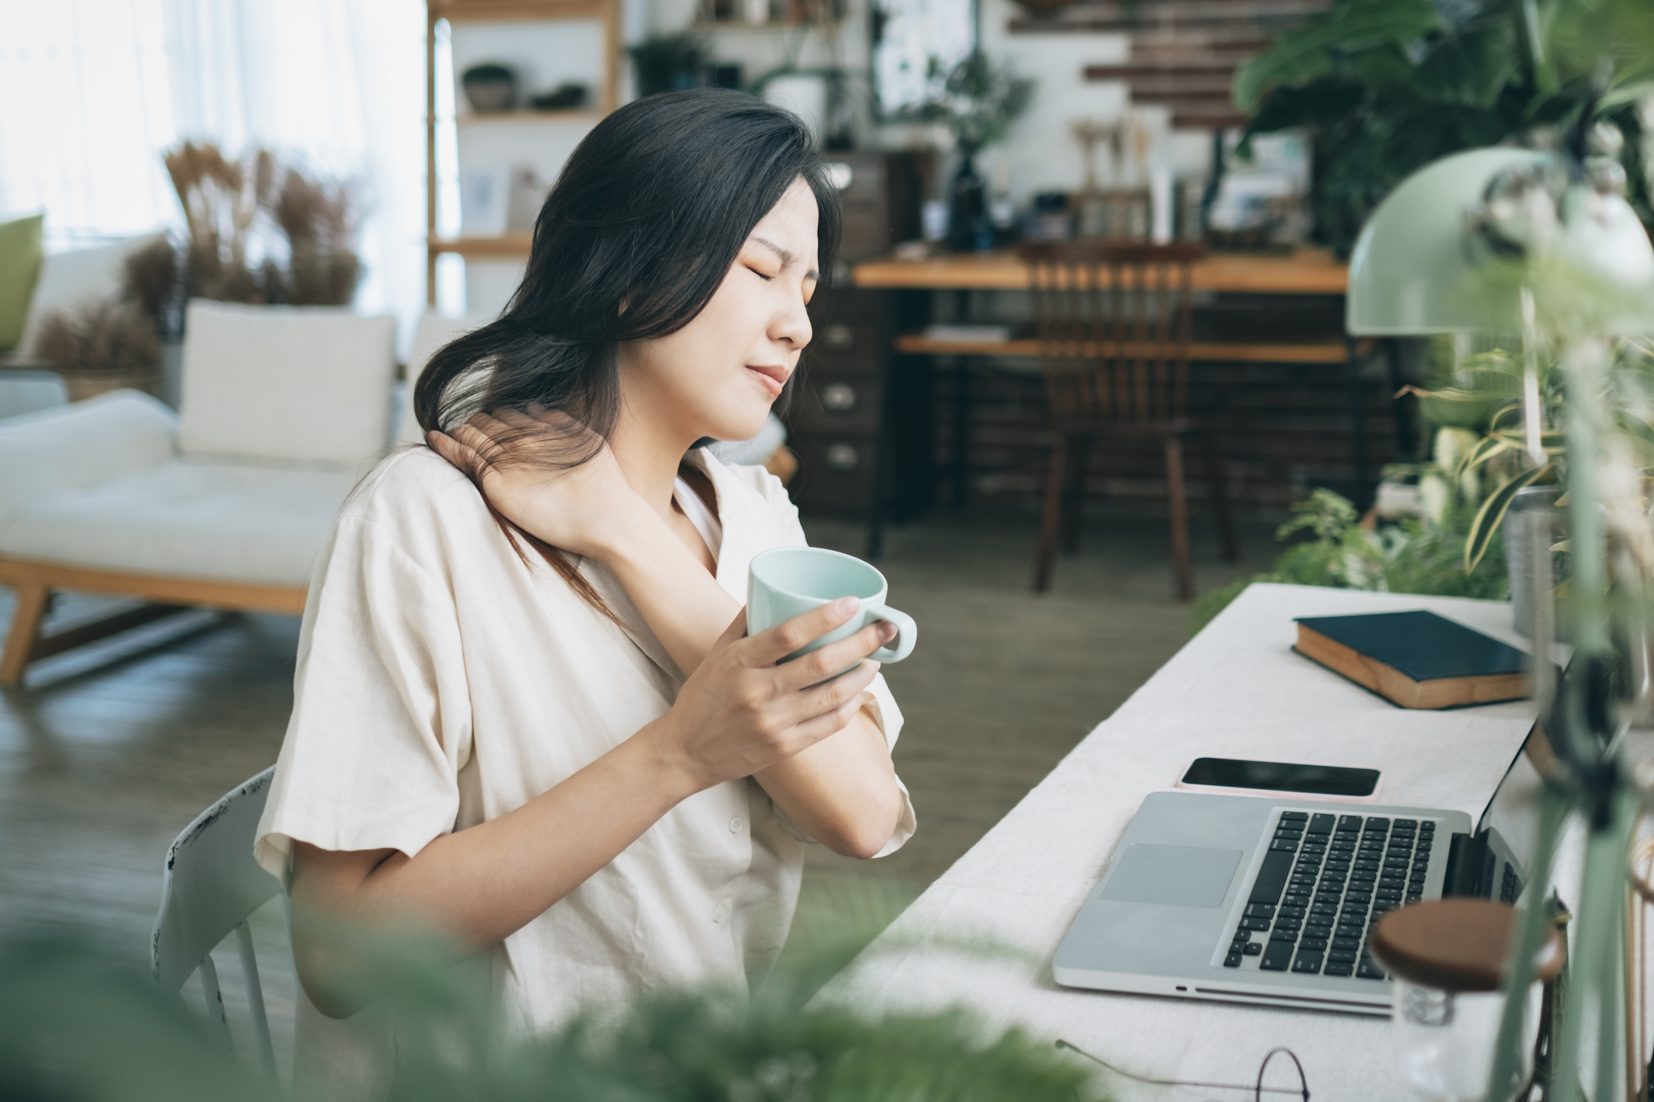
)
(831, 660)
(479, 442)
(454, 451)
(829, 696)
(519, 420)
(827, 724)
(790, 636)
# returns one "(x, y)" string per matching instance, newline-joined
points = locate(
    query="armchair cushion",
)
(74, 277)
(185, 518)
(69, 448)
(307, 385)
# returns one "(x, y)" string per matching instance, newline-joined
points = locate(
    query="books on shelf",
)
(1415, 659)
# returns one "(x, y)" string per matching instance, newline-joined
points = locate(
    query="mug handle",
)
(907, 632)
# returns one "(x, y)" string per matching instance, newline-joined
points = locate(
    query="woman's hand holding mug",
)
(744, 709)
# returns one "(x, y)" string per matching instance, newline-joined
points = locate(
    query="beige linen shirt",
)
(443, 682)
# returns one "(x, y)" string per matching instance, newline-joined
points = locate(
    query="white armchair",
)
(223, 505)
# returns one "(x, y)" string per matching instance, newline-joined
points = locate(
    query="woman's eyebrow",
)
(786, 257)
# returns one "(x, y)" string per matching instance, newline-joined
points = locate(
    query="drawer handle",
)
(843, 457)
(838, 398)
(838, 336)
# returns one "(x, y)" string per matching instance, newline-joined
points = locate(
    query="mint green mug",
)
(787, 581)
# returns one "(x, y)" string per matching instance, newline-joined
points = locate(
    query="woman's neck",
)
(649, 456)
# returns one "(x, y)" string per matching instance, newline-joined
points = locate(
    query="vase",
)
(1529, 530)
(805, 95)
(968, 225)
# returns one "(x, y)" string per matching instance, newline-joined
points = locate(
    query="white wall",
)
(1040, 154)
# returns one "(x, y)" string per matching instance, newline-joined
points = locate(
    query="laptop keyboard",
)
(1324, 882)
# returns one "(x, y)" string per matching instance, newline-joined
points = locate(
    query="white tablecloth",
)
(1236, 690)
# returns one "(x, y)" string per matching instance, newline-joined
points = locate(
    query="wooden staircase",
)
(1183, 53)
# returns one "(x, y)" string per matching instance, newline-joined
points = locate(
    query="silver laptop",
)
(1270, 900)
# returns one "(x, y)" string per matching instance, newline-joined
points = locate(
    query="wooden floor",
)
(105, 756)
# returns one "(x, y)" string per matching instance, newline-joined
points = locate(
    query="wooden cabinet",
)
(841, 417)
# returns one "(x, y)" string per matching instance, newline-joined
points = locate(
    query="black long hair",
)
(641, 228)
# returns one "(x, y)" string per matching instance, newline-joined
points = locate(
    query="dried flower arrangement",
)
(100, 347)
(257, 232)
(231, 207)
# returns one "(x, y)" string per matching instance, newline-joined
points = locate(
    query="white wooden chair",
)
(211, 886)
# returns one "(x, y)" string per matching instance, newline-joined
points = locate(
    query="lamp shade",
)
(1411, 267)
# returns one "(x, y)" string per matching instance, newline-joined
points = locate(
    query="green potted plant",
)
(75, 1024)
(668, 62)
(978, 100)
(1384, 87)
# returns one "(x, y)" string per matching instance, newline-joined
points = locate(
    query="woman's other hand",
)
(743, 709)
(520, 461)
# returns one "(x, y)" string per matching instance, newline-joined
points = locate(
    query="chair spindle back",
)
(1113, 324)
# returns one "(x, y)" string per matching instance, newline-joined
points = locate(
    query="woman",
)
(493, 731)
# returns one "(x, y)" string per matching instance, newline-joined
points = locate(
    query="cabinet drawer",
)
(859, 306)
(835, 472)
(863, 177)
(841, 341)
(834, 402)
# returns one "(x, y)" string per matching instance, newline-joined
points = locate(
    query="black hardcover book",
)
(1416, 659)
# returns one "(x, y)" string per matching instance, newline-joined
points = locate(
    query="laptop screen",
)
(1510, 822)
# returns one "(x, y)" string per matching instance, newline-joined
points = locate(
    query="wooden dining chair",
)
(1119, 214)
(1112, 320)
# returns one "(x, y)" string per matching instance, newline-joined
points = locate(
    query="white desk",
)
(1235, 690)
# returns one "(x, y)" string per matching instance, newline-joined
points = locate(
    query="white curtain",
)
(91, 92)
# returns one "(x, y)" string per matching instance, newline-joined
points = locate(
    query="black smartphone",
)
(1282, 776)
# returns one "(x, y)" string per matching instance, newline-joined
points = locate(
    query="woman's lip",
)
(768, 381)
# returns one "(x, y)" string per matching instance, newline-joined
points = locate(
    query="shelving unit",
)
(448, 22)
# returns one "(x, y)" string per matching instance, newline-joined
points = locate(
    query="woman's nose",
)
(792, 325)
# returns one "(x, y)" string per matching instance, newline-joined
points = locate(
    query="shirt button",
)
(735, 825)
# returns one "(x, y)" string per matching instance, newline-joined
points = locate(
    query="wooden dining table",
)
(1302, 274)
(1299, 272)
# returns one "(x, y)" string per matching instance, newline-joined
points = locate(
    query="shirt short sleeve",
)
(881, 705)
(381, 713)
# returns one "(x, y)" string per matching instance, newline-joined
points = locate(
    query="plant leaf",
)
(1310, 52)
(1486, 448)
(1492, 514)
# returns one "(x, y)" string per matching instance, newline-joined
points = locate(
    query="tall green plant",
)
(1386, 86)
(77, 1026)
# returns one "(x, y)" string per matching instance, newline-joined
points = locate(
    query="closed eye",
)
(761, 275)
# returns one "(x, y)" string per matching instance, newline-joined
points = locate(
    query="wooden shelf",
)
(511, 246)
(749, 25)
(514, 11)
(1330, 352)
(605, 97)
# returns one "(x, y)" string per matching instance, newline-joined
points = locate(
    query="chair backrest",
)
(1113, 323)
(211, 885)
(1119, 214)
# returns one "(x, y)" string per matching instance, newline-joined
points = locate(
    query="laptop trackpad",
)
(1181, 876)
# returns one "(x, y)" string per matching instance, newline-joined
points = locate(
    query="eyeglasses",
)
(1256, 1089)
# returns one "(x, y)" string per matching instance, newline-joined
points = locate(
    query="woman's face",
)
(719, 375)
